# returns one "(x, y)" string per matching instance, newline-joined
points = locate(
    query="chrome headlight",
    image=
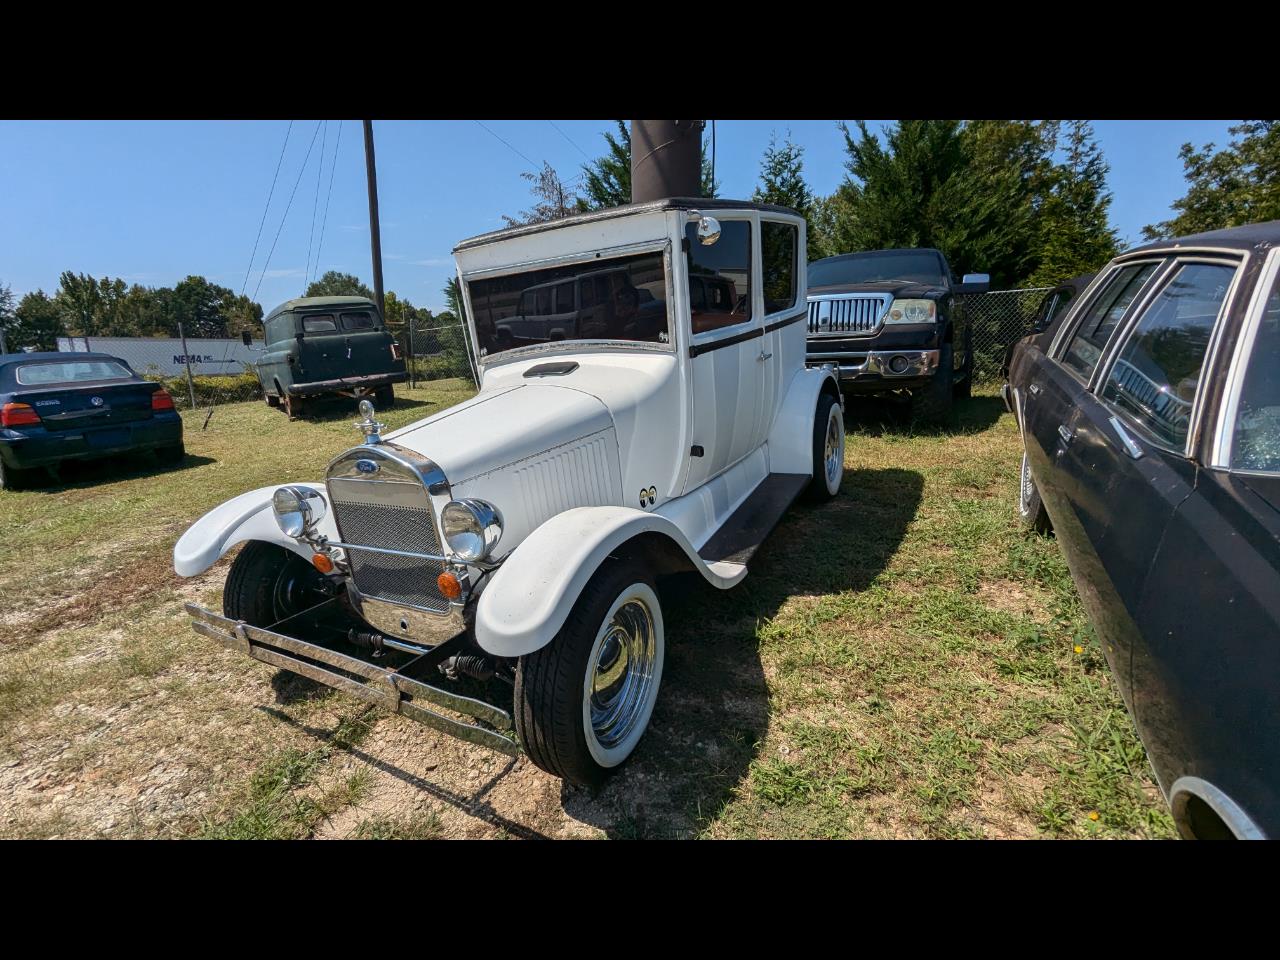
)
(912, 311)
(472, 528)
(298, 510)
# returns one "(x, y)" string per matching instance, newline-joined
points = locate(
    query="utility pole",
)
(375, 236)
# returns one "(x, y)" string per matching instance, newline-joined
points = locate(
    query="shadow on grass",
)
(331, 409)
(80, 474)
(881, 416)
(713, 709)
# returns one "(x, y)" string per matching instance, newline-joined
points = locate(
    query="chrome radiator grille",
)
(847, 315)
(384, 576)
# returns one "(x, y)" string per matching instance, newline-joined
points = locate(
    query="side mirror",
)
(974, 283)
(246, 338)
(708, 228)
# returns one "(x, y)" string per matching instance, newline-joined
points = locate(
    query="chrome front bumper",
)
(885, 364)
(389, 688)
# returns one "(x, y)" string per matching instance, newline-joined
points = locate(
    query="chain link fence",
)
(997, 319)
(436, 351)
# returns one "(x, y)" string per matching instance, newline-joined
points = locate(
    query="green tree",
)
(782, 182)
(1227, 188)
(37, 322)
(6, 315)
(555, 199)
(607, 180)
(200, 306)
(1073, 231)
(335, 284)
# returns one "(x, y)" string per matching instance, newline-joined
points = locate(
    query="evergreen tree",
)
(1074, 235)
(1237, 185)
(782, 182)
(607, 180)
(37, 322)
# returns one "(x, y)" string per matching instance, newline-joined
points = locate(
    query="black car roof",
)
(625, 210)
(59, 355)
(318, 303)
(1247, 237)
(878, 253)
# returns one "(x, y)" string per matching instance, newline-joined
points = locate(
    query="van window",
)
(358, 321)
(725, 270)
(319, 323)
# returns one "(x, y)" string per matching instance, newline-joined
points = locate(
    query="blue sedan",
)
(78, 406)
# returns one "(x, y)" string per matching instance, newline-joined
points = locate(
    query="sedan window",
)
(73, 371)
(1256, 438)
(1154, 379)
(1090, 338)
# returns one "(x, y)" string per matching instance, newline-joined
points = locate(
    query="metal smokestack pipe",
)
(666, 159)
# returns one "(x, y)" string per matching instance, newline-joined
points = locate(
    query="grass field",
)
(901, 662)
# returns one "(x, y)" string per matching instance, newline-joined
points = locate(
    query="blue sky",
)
(154, 201)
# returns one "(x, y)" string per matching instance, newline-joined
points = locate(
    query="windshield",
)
(73, 371)
(917, 266)
(621, 298)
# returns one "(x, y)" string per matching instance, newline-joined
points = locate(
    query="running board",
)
(389, 689)
(741, 535)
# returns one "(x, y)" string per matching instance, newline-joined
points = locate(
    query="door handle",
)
(764, 356)
(1130, 445)
(1033, 387)
(1066, 433)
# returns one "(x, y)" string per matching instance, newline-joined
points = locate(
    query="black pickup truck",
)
(888, 319)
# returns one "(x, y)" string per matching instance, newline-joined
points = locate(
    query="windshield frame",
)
(662, 246)
(941, 279)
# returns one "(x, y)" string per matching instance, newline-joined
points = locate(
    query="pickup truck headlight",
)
(472, 528)
(297, 509)
(912, 311)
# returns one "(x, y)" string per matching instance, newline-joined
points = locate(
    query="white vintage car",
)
(520, 535)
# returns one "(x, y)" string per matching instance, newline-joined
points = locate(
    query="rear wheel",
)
(272, 399)
(385, 397)
(933, 403)
(268, 583)
(293, 406)
(1030, 508)
(828, 450)
(16, 478)
(584, 701)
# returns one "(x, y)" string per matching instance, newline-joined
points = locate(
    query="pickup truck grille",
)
(856, 314)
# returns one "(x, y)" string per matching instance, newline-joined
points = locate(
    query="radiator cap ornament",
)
(370, 427)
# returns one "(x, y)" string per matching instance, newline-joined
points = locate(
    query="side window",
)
(543, 308)
(778, 242)
(1255, 443)
(564, 298)
(727, 265)
(323, 323)
(357, 321)
(587, 291)
(1090, 337)
(1154, 379)
(1060, 305)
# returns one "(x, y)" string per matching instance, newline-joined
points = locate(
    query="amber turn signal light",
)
(322, 562)
(449, 585)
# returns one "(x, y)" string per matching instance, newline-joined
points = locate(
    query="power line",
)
(311, 237)
(244, 286)
(571, 143)
(513, 149)
(305, 161)
(333, 165)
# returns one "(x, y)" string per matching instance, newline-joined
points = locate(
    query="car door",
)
(1206, 665)
(727, 375)
(1125, 448)
(782, 346)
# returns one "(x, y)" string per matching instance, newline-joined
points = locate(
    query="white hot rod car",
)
(519, 536)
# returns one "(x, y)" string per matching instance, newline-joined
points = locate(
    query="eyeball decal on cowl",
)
(648, 497)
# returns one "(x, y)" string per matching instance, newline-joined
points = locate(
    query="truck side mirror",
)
(974, 283)
(246, 338)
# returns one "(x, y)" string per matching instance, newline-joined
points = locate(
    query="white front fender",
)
(246, 517)
(527, 600)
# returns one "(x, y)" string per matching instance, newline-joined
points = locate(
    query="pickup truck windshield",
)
(917, 266)
(621, 298)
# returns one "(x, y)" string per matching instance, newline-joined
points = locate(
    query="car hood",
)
(895, 288)
(503, 426)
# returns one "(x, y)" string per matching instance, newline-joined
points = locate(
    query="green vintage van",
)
(325, 346)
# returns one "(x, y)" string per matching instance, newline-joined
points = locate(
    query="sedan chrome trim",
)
(1237, 821)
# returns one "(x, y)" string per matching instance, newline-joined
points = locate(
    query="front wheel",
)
(933, 403)
(584, 701)
(1031, 509)
(267, 584)
(828, 450)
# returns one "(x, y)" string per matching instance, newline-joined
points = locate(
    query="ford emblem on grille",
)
(366, 466)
